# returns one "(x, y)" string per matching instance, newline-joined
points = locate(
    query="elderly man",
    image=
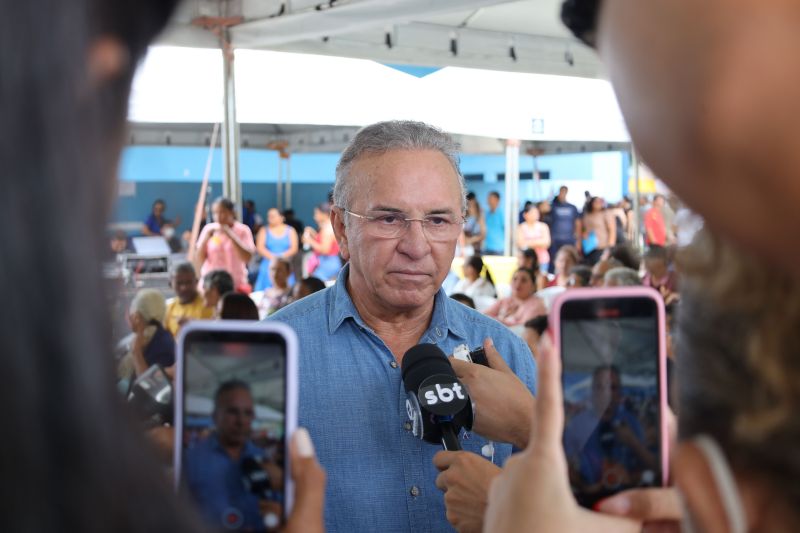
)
(399, 206)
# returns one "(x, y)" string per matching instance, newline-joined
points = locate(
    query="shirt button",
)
(393, 364)
(414, 491)
(407, 425)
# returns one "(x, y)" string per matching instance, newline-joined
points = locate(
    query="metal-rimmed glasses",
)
(439, 227)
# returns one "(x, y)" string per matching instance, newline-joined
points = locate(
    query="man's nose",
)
(414, 243)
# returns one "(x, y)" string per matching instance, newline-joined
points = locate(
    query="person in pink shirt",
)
(535, 235)
(523, 304)
(226, 244)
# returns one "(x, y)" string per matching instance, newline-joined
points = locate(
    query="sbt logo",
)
(442, 393)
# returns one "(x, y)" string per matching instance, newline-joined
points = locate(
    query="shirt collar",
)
(342, 307)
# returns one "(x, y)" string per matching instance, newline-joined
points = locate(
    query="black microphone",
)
(438, 404)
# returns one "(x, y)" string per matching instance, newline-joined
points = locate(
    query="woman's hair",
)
(738, 379)
(588, 207)
(464, 299)
(476, 263)
(238, 306)
(530, 206)
(71, 457)
(225, 203)
(571, 252)
(529, 254)
(313, 284)
(530, 272)
(220, 280)
(475, 203)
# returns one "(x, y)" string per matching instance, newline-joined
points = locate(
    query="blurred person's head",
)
(532, 214)
(216, 284)
(306, 286)
(594, 204)
(656, 261)
(77, 460)
(621, 277)
(464, 299)
(223, 211)
(148, 307)
(288, 214)
(579, 276)
(274, 217)
(544, 207)
(599, 271)
(473, 206)
(566, 258)
(237, 306)
(626, 254)
(523, 283)
(493, 199)
(279, 272)
(528, 259)
(562, 194)
(159, 206)
(474, 268)
(322, 213)
(534, 329)
(249, 206)
(738, 381)
(119, 242)
(658, 201)
(233, 413)
(184, 282)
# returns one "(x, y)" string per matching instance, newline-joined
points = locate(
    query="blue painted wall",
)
(174, 173)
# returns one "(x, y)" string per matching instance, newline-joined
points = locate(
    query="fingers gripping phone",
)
(612, 344)
(236, 406)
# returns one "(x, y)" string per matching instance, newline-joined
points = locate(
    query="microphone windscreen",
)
(422, 361)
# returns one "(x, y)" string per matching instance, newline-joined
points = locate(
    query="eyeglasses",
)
(437, 228)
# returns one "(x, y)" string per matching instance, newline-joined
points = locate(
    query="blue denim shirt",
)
(352, 401)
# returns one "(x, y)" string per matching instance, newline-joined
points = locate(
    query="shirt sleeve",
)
(246, 236)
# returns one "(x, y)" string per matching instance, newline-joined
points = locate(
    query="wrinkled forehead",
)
(406, 180)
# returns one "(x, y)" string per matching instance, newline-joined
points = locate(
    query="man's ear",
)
(337, 221)
(106, 60)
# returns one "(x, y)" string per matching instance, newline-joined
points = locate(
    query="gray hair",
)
(621, 277)
(394, 135)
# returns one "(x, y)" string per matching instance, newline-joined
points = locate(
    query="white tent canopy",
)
(184, 85)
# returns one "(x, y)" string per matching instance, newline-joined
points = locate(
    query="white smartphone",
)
(235, 410)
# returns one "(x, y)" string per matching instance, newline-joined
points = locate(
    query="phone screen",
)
(610, 349)
(233, 431)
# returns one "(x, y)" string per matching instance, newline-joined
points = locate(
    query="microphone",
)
(437, 403)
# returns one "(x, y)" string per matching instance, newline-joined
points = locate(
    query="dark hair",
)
(583, 273)
(237, 306)
(588, 207)
(658, 253)
(464, 299)
(538, 324)
(531, 272)
(229, 385)
(627, 255)
(470, 195)
(530, 206)
(226, 203)
(313, 284)
(476, 262)
(184, 267)
(75, 461)
(495, 194)
(159, 201)
(529, 254)
(220, 280)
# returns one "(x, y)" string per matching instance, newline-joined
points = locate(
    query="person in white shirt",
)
(474, 283)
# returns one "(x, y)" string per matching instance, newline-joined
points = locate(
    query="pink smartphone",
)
(613, 353)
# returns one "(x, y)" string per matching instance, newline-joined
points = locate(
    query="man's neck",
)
(399, 330)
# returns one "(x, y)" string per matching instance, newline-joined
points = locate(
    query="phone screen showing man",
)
(233, 447)
(611, 379)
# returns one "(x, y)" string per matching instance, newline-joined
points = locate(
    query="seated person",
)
(216, 284)
(237, 306)
(464, 299)
(278, 294)
(659, 276)
(579, 276)
(215, 467)
(187, 303)
(523, 304)
(621, 277)
(149, 344)
(534, 329)
(528, 259)
(477, 280)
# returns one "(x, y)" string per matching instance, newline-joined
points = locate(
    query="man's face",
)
(493, 201)
(185, 286)
(562, 194)
(158, 209)
(403, 273)
(233, 417)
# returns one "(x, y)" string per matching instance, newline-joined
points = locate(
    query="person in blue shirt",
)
(214, 466)
(564, 223)
(157, 224)
(399, 204)
(494, 244)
